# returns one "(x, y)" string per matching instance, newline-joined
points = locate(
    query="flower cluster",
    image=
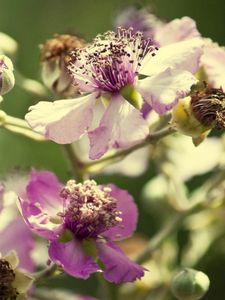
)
(128, 88)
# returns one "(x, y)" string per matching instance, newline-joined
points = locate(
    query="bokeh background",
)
(31, 22)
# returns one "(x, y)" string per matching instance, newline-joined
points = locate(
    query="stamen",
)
(89, 209)
(111, 62)
(7, 276)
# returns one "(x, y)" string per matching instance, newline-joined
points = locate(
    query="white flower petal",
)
(183, 55)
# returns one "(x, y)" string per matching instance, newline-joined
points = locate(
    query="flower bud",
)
(190, 284)
(203, 110)
(7, 79)
(54, 56)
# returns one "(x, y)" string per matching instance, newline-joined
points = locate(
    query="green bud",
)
(131, 95)
(190, 284)
(7, 79)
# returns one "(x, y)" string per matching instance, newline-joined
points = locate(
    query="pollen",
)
(89, 209)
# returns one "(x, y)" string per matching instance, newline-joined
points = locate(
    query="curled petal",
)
(183, 55)
(122, 125)
(62, 121)
(39, 221)
(118, 267)
(42, 203)
(17, 236)
(176, 31)
(125, 204)
(163, 90)
(72, 258)
(213, 61)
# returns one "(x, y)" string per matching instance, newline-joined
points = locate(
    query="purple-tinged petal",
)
(44, 188)
(42, 204)
(122, 125)
(213, 61)
(125, 204)
(118, 267)
(163, 90)
(17, 236)
(145, 110)
(62, 121)
(183, 55)
(71, 257)
(38, 221)
(176, 31)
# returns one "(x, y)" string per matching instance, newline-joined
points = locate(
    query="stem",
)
(104, 291)
(46, 273)
(29, 85)
(151, 139)
(164, 233)
(198, 200)
(75, 163)
(18, 125)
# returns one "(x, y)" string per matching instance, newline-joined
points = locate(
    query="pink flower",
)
(80, 220)
(15, 236)
(108, 71)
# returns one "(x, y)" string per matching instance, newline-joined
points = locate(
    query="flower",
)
(82, 220)
(107, 72)
(54, 56)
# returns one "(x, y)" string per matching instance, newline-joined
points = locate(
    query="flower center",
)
(208, 106)
(89, 209)
(7, 276)
(111, 62)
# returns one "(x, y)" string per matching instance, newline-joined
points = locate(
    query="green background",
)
(31, 22)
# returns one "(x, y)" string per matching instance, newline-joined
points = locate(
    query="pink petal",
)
(39, 221)
(213, 61)
(118, 267)
(163, 90)
(126, 204)
(176, 31)
(183, 55)
(71, 257)
(42, 204)
(44, 188)
(122, 125)
(17, 236)
(62, 121)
